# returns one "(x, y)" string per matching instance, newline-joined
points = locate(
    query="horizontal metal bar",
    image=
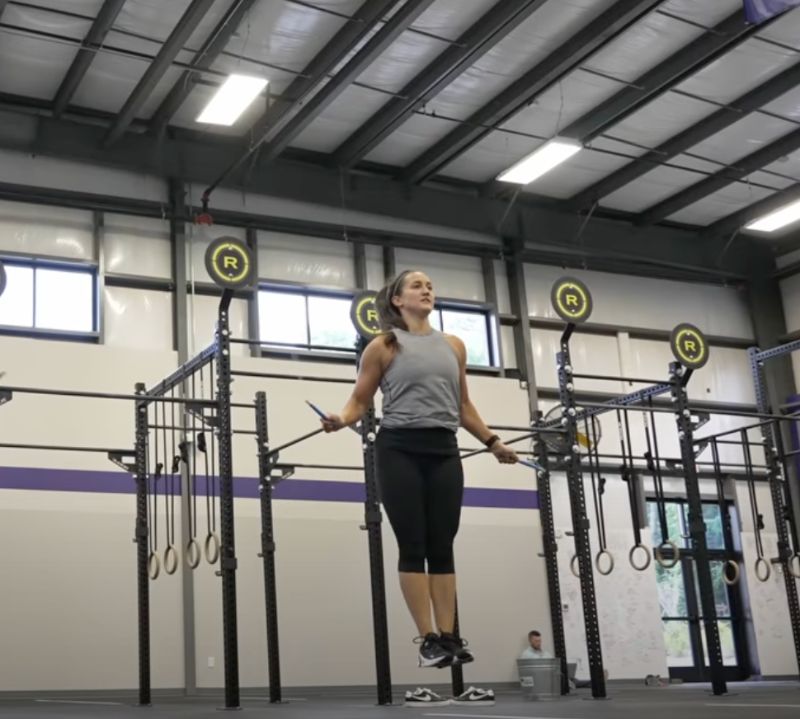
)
(293, 345)
(532, 428)
(196, 430)
(324, 466)
(726, 412)
(614, 470)
(57, 448)
(733, 441)
(302, 378)
(777, 351)
(628, 400)
(756, 425)
(614, 378)
(101, 395)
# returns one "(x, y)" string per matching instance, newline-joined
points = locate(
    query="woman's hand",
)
(332, 423)
(503, 453)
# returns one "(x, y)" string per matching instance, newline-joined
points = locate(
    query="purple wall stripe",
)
(74, 480)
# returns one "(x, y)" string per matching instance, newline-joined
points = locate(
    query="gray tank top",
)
(421, 387)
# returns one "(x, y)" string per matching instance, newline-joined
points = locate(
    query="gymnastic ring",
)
(572, 568)
(790, 563)
(731, 581)
(193, 554)
(153, 566)
(610, 568)
(170, 560)
(658, 552)
(765, 575)
(640, 567)
(212, 548)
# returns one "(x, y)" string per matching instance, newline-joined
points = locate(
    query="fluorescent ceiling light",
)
(540, 161)
(778, 219)
(232, 99)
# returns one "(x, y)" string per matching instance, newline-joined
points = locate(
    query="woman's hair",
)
(389, 317)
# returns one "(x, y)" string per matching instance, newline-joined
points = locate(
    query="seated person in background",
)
(535, 651)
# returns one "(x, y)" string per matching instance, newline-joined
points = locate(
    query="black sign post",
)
(364, 315)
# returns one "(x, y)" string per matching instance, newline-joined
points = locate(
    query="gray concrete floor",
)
(746, 700)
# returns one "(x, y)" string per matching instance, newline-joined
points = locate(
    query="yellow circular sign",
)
(689, 346)
(571, 299)
(364, 315)
(229, 262)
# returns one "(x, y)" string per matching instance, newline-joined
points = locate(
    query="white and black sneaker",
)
(422, 697)
(457, 647)
(433, 653)
(475, 697)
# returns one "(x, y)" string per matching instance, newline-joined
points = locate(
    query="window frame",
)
(49, 263)
(306, 351)
(315, 352)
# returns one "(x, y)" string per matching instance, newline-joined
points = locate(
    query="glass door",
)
(679, 599)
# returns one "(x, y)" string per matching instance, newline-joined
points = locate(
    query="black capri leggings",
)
(421, 486)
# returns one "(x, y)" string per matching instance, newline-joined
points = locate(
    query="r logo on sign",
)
(364, 315)
(571, 300)
(689, 346)
(229, 262)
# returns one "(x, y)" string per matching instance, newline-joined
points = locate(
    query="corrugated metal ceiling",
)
(279, 38)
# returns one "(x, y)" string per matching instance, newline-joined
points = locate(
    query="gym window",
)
(49, 298)
(473, 327)
(299, 319)
(305, 320)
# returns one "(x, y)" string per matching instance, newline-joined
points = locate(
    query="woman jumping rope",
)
(422, 374)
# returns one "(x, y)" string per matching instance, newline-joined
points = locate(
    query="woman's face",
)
(416, 295)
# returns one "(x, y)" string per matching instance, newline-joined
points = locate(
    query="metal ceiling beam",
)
(155, 72)
(715, 123)
(310, 110)
(736, 221)
(520, 93)
(212, 48)
(773, 152)
(94, 38)
(378, 43)
(503, 17)
(349, 37)
(686, 61)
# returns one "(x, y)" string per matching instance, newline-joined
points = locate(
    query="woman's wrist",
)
(491, 441)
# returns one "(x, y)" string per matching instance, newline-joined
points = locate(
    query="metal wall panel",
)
(42, 230)
(790, 289)
(374, 260)
(308, 260)
(455, 276)
(595, 354)
(137, 246)
(137, 319)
